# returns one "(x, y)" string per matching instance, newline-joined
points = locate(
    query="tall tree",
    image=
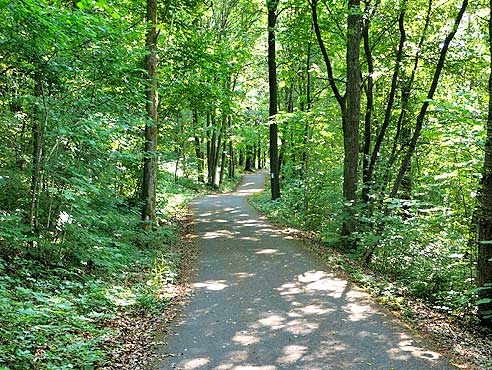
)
(352, 121)
(349, 104)
(273, 89)
(151, 131)
(485, 219)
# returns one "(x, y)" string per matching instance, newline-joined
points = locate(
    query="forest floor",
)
(261, 299)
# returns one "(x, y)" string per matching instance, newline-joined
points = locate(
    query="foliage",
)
(55, 308)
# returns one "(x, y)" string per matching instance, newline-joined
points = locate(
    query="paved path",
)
(264, 302)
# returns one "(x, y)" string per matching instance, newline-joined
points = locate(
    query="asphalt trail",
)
(262, 301)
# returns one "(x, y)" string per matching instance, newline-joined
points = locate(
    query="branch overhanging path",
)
(263, 301)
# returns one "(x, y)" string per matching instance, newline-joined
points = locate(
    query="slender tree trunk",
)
(412, 145)
(403, 134)
(223, 160)
(198, 148)
(218, 152)
(272, 82)
(392, 93)
(255, 152)
(232, 163)
(484, 267)
(211, 147)
(329, 68)
(352, 120)
(260, 166)
(305, 136)
(249, 159)
(366, 178)
(420, 118)
(38, 126)
(241, 158)
(149, 182)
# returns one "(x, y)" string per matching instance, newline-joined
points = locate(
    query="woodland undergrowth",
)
(61, 301)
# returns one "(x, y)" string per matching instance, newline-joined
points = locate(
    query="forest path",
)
(262, 301)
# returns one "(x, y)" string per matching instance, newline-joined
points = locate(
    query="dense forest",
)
(374, 118)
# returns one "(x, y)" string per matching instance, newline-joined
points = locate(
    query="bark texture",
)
(273, 88)
(485, 221)
(352, 118)
(151, 131)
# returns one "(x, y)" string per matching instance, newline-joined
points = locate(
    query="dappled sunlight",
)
(267, 251)
(290, 289)
(247, 223)
(250, 238)
(262, 303)
(249, 188)
(409, 348)
(314, 310)
(195, 363)
(219, 234)
(245, 339)
(297, 326)
(212, 285)
(274, 322)
(292, 354)
(315, 281)
(301, 327)
(358, 311)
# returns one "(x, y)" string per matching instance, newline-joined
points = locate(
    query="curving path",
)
(262, 301)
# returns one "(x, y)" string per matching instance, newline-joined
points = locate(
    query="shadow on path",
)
(262, 301)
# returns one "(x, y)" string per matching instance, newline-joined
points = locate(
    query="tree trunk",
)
(403, 133)
(255, 152)
(391, 96)
(249, 159)
(198, 149)
(241, 157)
(366, 178)
(260, 166)
(352, 120)
(232, 163)
(484, 267)
(38, 126)
(420, 118)
(211, 142)
(350, 116)
(150, 148)
(305, 136)
(223, 160)
(273, 89)
(218, 151)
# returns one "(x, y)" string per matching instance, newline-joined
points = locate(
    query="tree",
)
(484, 267)
(352, 112)
(150, 147)
(349, 104)
(273, 89)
